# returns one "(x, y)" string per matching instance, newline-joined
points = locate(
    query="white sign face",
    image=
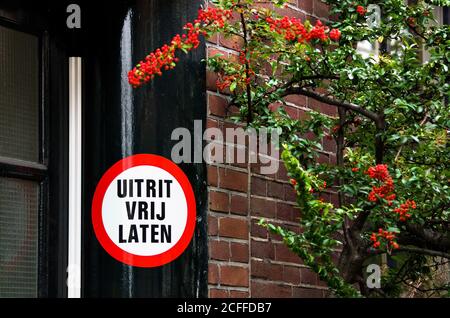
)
(144, 211)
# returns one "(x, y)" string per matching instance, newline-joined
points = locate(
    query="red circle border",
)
(115, 251)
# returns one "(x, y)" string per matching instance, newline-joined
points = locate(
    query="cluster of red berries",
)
(411, 22)
(214, 16)
(385, 191)
(242, 57)
(164, 57)
(361, 10)
(404, 208)
(294, 30)
(335, 35)
(225, 81)
(386, 235)
(381, 173)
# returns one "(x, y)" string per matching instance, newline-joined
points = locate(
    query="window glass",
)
(19, 95)
(18, 237)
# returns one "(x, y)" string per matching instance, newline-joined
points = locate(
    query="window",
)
(23, 171)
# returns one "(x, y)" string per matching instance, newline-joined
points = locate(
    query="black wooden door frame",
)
(52, 174)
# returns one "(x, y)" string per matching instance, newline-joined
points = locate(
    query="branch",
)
(423, 251)
(415, 250)
(436, 240)
(247, 71)
(323, 98)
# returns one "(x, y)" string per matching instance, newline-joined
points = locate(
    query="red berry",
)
(361, 10)
(335, 35)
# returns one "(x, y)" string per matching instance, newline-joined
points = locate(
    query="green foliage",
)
(401, 117)
(393, 110)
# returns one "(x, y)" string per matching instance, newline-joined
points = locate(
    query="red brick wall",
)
(245, 261)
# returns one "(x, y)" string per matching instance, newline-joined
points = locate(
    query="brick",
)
(333, 159)
(270, 290)
(308, 277)
(239, 204)
(264, 250)
(219, 250)
(239, 252)
(266, 270)
(275, 190)
(323, 158)
(213, 274)
(257, 230)
(233, 180)
(328, 145)
(231, 126)
(259, 186)
(274, 106)
(212, 39)
(290, 12)
(289, 193)
(303, 114)
(212, 123)
(217, 105)
(291, 111)
(282, 173)
(218, 293)
(212, 176)
(238, 294)
(232, 42)
(291, 274)
(309, 135)
(263, 207)
(306, 5)
(215, 149)
(299, 292)
(212, 51)
(269, 166)
(284, 254)
(213, 225)
(236, 155)
(298, 100)
(233, 110)
(211, 81)
(219, 201)
(286, 212)
(232, 227)
(322, 107)
(234, 276)
(321, 9)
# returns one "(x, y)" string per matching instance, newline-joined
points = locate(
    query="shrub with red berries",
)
(382, 144)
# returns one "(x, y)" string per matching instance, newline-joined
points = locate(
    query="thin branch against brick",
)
(416, 250)
(247, 68)
(331, 101)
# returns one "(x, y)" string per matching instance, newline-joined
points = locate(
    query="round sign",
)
(143, 211)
